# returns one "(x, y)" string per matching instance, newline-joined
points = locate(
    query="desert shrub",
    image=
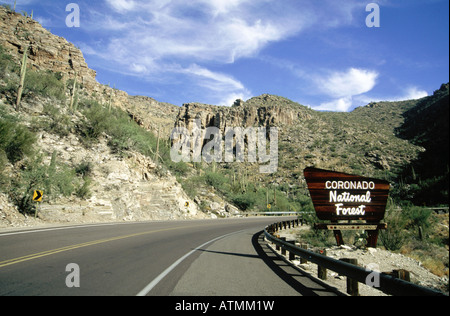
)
(244, 201)
(84, 191)
(394, 237)
(84, 169)
(418, 218)
(96, 122)
(16, 140)
(7, 64)
(45, 83)
(57, 122)
(55, 180)
(191, 185)
(180, 169)
(216, 180)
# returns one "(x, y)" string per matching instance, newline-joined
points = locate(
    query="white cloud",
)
(121, 5)
(224, 88)
(218, 7)
(137, 68)
(343, 86)
(409, 93)
(339, 105)
(414, 93)
(220, 81)
(352, 82)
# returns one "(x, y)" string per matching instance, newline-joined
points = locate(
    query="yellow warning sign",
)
(37, 196)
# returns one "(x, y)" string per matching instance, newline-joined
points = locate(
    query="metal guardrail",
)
(388, 284)
(274, 213)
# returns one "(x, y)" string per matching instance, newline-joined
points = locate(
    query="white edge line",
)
(41, 230)
(158, 279)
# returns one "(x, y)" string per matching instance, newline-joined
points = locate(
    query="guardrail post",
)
(404, 275)
(291, 254)
(400, 274)
(277, 247)
(303, 260)
(283, 250)
(352, 285)
(321, 271)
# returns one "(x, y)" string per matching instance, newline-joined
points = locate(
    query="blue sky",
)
(319, 53)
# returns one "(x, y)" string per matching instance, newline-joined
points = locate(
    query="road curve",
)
(181, 258)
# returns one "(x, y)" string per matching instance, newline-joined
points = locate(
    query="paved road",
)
(184, 258)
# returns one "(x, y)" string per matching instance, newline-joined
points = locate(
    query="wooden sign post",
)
(342, 199)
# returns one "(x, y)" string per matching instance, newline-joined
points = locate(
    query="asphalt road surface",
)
(183, 258)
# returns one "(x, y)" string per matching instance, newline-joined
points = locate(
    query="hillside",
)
(427, 125)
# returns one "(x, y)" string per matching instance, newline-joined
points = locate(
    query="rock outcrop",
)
(263, 111)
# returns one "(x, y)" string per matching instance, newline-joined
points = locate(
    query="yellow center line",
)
(86, 244)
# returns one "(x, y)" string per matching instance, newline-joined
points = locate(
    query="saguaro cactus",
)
(23, 73)
(73, 95)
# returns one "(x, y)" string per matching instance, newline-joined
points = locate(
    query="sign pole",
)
(372, 238)
(339, 238)
(37, 210)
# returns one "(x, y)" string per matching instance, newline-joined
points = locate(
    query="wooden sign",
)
(343, 197)
(338, 196)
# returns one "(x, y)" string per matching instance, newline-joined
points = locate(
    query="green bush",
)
(57, 123)
(180, 169)
(394, 237)
(84, 169)
(418, 218)
(55, 180)
(7, 64)
(84, 192)
(216, 180)
(95, 123)
(45, 83)
(244, 201)
(16, 141)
